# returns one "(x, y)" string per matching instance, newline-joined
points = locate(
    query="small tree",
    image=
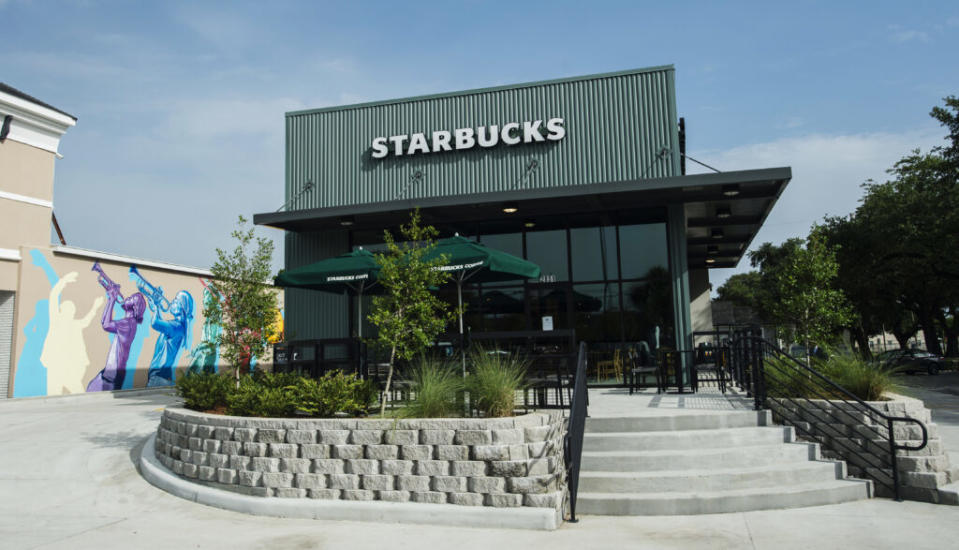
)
(408, 316)
(246, 305)
(807, 295)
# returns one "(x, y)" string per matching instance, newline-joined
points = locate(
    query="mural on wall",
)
(64, 350)
(174, 332)
(30, 379)
(60, 349)
(122, 330)
(206, 354)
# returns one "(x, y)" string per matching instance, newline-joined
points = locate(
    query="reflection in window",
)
(642, 248)
(597, 312)
(511, 243)
(594, 253)
(648, 311)
(547, 249)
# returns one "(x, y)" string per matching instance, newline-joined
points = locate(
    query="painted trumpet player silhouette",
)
(174, 332)
(124, 329)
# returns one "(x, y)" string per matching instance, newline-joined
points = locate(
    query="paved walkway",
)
(67, 480)
(617, 402)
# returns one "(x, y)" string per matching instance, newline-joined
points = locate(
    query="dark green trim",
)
(670, 68)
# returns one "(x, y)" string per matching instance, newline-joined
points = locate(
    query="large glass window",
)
(594, 253)
(642, 248)
(547, 249)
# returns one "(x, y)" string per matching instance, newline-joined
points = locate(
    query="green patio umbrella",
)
(471, 261)
(354, 272)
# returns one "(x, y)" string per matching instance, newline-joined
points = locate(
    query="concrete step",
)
(718, 458)
(704, 421)
(715, 502)
(687, 439)
(677, 481)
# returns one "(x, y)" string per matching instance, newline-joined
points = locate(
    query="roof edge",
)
(475, 91)
(689, 180)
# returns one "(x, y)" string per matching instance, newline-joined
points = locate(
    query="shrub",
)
(866, 380)
(494, 381)
(202, 391)
(256, 397)
(334, 392)
(437, 389)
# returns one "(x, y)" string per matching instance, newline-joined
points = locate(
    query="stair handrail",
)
(576, 427)
(746, 342)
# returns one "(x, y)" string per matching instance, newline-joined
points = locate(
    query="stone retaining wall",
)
(498, 462)
(922, 472)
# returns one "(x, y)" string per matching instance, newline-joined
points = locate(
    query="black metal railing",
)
(573, 442)
(316, 357)
(823, 411)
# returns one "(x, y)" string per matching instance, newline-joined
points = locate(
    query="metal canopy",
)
(723, 210)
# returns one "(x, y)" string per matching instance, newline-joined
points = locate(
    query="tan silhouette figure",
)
(64, 351)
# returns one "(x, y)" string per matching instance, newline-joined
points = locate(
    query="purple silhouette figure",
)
(125, 328)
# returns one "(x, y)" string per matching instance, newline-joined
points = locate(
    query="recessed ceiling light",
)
(723, 212)
(710, 260)
(510, 208)
(717, 233)
(731, 190)
(529, 224)
(346, 221)
(712, 249)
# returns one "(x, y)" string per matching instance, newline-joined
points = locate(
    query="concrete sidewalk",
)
(67, 480)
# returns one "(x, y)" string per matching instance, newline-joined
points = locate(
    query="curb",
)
(91, 396)
(375, 511)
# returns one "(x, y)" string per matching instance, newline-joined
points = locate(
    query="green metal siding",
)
(616, 127)
(310, 313)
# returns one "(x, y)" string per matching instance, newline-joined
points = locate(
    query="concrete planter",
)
(499, 462)
(837, 426)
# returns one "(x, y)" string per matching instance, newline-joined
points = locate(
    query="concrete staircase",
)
(704, 463)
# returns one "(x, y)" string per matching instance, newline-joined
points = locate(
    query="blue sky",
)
(180, 104)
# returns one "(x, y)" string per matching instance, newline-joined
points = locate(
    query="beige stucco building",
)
(59, 331)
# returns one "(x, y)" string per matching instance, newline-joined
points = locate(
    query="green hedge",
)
(278, 395)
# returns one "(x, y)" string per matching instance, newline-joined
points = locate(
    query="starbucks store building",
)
(583, 176)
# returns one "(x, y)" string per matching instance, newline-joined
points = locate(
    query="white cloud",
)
(900, 34)
(827, 173)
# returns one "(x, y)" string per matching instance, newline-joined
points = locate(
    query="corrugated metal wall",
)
(310, 313)
(6, 340)
(617, 126)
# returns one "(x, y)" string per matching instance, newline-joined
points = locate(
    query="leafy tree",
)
(951, 121)
(807, 296)
(247, 304)
(408, 315)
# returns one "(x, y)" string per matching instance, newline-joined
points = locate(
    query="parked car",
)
(911, 361)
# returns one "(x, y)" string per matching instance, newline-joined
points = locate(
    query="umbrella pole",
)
(359, 312)
(459, 293)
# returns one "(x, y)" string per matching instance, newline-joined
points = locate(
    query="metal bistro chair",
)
(639, 370)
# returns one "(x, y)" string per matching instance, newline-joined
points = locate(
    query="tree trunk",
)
(862, 342)
(902, 338)
(389, 380)
(951, 332)
(930, 334)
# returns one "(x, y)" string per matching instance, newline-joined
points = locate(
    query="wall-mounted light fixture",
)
(731, 189)
(510, 207)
